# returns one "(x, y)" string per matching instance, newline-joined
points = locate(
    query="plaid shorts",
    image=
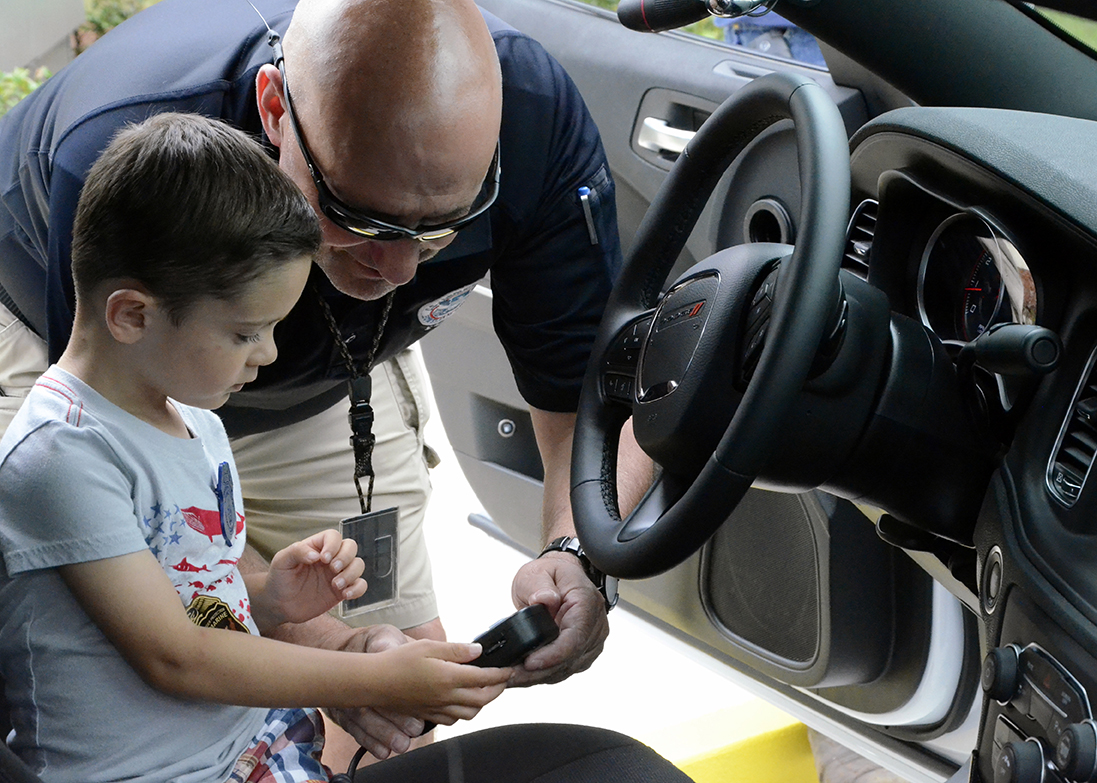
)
(286, 750)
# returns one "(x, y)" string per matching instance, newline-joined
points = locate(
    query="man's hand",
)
(557, 580)
(380, 732)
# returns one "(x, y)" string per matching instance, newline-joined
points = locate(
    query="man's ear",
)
(271, 99)
(128, 313)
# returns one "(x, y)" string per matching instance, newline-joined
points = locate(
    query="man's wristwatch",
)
(607, 585)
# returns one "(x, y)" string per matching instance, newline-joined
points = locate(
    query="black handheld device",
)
(509, 641)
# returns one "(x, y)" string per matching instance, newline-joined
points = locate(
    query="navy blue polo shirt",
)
(549, 281)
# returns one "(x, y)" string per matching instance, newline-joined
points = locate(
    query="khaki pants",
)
(299, 479)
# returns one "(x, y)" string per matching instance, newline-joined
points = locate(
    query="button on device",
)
(757, 323)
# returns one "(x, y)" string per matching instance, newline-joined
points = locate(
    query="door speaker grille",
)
(763, 580)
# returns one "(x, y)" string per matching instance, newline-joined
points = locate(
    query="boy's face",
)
(220, 345)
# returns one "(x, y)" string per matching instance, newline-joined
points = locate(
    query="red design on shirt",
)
(185, 566)
(208, 523)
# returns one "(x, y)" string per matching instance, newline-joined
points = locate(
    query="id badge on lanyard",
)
(375, 532)
(376, 536)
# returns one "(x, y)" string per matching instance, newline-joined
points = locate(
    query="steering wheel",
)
(709, 369)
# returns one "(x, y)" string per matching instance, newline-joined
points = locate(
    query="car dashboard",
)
(970, 218)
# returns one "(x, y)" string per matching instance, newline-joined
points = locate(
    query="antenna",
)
(273, 39)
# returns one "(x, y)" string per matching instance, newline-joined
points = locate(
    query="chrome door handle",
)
(657, 136)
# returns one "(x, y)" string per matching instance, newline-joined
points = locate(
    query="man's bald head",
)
(396, 84)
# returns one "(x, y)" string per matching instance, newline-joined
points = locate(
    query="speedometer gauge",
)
(982, 298)
(972, 277)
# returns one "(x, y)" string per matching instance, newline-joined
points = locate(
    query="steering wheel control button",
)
(765, 290)
(618, 386)
(1076, 752)
(754, 336)
(619, 374)
(679, 323)
(1000, 676)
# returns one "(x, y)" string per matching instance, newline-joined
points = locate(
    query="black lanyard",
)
(360, 388)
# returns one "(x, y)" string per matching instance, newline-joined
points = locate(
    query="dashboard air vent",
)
(1077, 444)
(859, 234)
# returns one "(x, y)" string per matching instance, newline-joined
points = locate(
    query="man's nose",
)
(395, 260)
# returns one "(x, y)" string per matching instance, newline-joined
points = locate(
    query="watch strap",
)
(607, 585)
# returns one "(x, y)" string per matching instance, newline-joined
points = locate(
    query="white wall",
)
(35, 32)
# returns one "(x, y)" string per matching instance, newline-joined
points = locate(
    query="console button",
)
(1020, 762)
(1076, 752)
(1000, 676)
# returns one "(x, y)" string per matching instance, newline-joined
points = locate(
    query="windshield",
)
(771, 34)
(1083, 31)
(765, 32)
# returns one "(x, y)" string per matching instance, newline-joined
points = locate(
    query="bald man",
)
(436, 145)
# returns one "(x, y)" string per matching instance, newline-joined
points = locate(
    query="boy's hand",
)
(382, 732)
(425, 679)
(310, 577)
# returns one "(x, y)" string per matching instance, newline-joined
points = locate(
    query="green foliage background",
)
(102, 16)
(16, 84)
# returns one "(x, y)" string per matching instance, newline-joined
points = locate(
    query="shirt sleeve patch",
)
(433, 313)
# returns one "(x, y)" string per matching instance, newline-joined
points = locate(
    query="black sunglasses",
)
(362, 224)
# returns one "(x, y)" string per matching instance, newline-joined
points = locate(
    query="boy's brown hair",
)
(190, 208)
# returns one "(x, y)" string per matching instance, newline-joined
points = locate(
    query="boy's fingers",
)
(349, 577)
(330, 545)
(356, 568)
(458, 652)
(299, 552)
(356, 590)
(313, 548)
(343, 554)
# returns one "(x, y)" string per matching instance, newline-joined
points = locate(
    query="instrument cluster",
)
(971, 277)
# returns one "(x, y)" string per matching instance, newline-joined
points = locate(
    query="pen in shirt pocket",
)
(584, 200)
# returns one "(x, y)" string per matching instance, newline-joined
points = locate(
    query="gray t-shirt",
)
(82, 480)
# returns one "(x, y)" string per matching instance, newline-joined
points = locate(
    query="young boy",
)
(130, 644)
